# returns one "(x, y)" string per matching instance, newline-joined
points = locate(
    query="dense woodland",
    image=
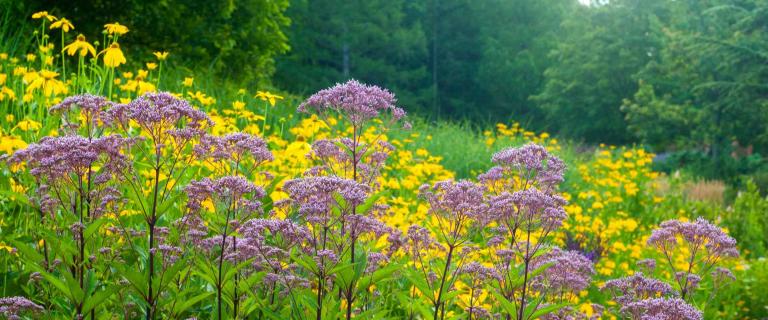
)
(683, 77)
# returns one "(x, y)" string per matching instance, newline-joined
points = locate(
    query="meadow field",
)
(131, 188)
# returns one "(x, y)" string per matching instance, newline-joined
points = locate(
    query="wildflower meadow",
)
(133, 190)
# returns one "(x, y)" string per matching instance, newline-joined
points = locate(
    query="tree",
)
(713, 65)
(236, 39)
(603, 47)
(378, 42)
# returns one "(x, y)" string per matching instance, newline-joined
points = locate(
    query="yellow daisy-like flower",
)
(81, 46)
(116, 28)
(43, 15)
(113, 56)
(268, 96)
(47, 81)
(151, 65)
(29, 125)
(161, 55)
(188, 81)
(64, 24)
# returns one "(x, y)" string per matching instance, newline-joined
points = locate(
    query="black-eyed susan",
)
(268, 96)
(113, 56)
(43, 15)
(161, 55)
(46, 80)
(80, 45)
(64, 24)
(115, 28)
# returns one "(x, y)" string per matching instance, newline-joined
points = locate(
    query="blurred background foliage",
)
(685, 78)
(235, 40)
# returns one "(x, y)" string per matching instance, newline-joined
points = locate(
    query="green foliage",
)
(748, 220)
(656, 121)
(444, 58)
(743, 299)
(707, 81)
(333, 41)
(594, 63)
(230, 38)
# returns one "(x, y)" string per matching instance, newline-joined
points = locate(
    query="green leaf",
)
(509, 307)
(545, 310)
(96, 299)
(93, 227)
(368, 204)
(19, 197)
(231, 272)
(136, 279)
(419, 282)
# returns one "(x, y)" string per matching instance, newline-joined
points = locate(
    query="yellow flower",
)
(113, 56)
(7, 93)
(47, 81)
(31, 57)
(116, 28)
(151, 65)
(10, 249)
(9, 144)
(188, 81)
(238, 105)
(43, 15)
(267, 96)
(64, 24)
(29, 125)
(80, 45)
(161, 55)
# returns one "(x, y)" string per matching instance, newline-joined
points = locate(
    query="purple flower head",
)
(236, 147)
(697, 234)
(375, 261)
(92, 107)
(636, 287)
(420, 241)
(451, 199)
(359, 224)
(493, 174)
(661, 309)
(569, 313)
(326, 257)
(315, 196)
(478, 312)
(56, 158)
(355, 101)
(569, 271)
(14, 307)
(648, 264)
(231, 190)
(329, 149)
(480, 273)
(531, 161)
(540, 207)
(722, 275)
(160, 113)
